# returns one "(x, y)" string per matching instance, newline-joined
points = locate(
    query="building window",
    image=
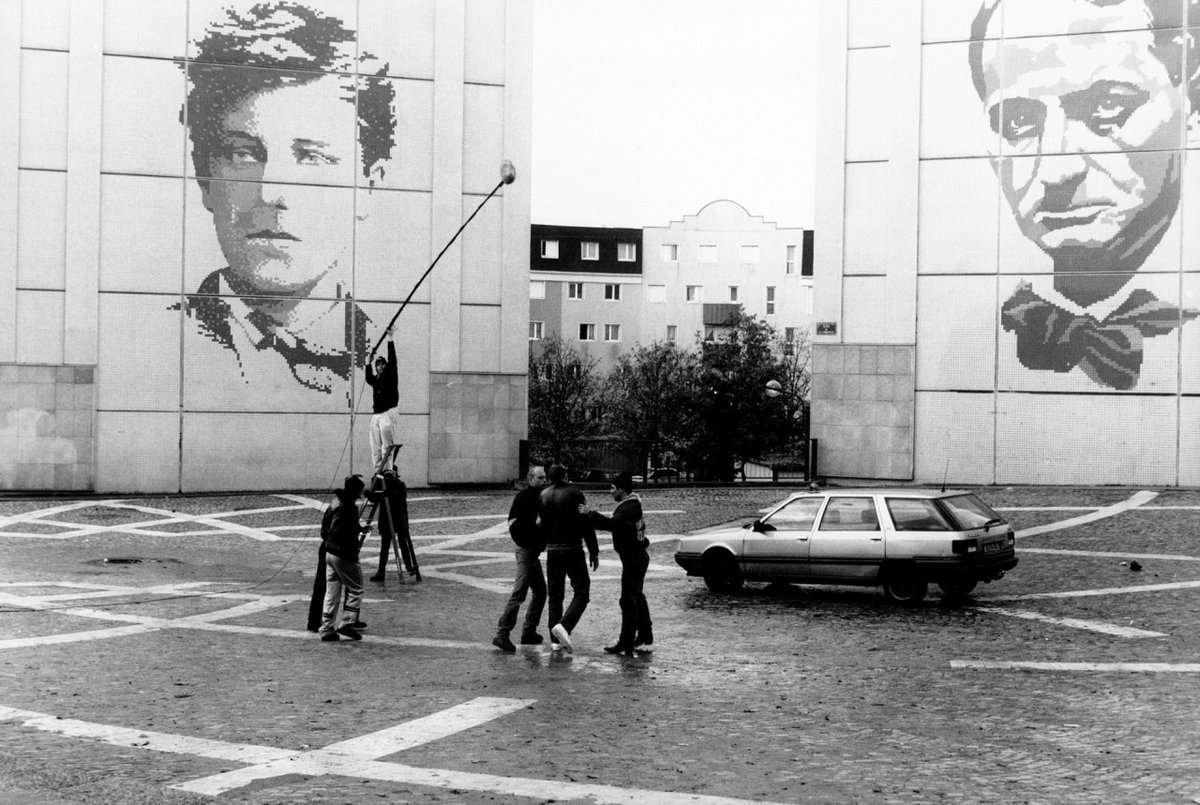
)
(550, 249)
(733, 293)
(589, 250)
(656, 293)
(695, 293)
(612, 332)
(770, 300)
(671, 329)
(749, 254)
(587, 332)
(626, 252)
(789, 340)
(535, 330)
(574, 290)
(537, 289)
(791, 260)
(708, 253)
(612, 291)
(669, 253)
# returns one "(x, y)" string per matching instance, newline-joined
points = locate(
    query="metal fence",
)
(598, 460)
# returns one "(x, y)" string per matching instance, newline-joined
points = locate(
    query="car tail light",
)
(964, 546)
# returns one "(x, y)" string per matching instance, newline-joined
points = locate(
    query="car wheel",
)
(957, 590)
(905, 588)
(721, 573)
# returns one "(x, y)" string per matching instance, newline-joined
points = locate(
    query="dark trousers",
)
(561, 565)
(529, 577)
(635, 613)
(317, 602)
(393, 525)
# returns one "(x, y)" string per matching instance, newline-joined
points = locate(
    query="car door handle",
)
(877, 539)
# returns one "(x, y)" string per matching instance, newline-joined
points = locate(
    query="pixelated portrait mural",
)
(284, 116)
(1092, 105)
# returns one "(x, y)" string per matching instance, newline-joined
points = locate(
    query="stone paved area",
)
(188, 677)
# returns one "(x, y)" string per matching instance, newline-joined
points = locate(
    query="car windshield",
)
(970, 512)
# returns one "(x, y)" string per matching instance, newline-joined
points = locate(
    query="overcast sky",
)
(646, 110)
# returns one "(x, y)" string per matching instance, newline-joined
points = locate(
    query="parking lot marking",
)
(1142, 588)
(1074, 623)
(1166, 557)
(359, 758)
(1104, 512)
(346, 756)
(1125, 667)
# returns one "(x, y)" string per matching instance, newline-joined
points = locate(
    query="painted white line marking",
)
(269, 762)
(1126, 667)
(332, 758)
(488, 585)
(459, 518)
(1045, 508)
(1138, 499)
(144, 739)
(1145, 588)
(74, 637)
(1073, 623)
(1114, 554)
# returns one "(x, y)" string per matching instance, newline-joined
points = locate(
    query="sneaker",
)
(531, 638)
(377, 577)
(564, 637)
(502, 642)
(330, 637)
(350, 632)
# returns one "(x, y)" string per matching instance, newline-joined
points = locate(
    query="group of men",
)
(548, 515)
(552, 515)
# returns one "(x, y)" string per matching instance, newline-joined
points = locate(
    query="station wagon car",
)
(900, 539)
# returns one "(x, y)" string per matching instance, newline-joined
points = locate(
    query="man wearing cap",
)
(629, 541)
(385, 398)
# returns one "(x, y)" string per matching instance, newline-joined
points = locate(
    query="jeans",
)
(341, 574)
(635, 613)
(383, 435)
(529, 577)
(561, 565)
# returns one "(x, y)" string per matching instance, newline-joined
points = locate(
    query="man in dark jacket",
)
(341, 533)
(565, 528)
(385, 397)
(629, 541)
(526, 533)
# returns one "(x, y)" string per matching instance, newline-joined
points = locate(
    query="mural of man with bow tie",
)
(1090, 152)
(282, 111)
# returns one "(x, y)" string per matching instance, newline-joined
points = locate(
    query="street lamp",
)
(774, 388)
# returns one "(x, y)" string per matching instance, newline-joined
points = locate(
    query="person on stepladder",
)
(341, 533)
(383, 378)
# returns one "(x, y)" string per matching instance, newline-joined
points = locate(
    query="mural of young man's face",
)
(1092, 124)
(281, 151)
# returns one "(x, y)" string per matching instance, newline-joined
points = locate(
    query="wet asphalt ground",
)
(184, 674)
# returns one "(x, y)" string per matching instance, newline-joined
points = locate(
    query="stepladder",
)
(387, 499)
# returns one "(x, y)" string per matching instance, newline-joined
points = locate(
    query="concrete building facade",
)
(586, 288)
(1005, 285)
(210, 210)
(723, 255)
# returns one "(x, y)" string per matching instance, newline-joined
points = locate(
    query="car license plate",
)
(993, 547)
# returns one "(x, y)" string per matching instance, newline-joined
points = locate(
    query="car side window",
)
(910, 514)
(798, 515)
(850, 514)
